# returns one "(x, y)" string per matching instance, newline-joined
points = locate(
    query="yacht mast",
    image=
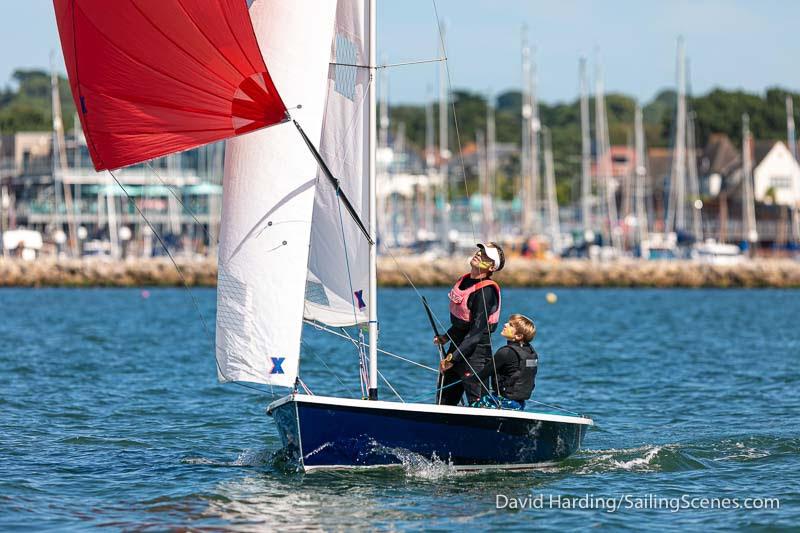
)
(748, 202)
(525, 158)
(430, 164)
(480, 145)
(372, 304)
(491, 167)
(60, 162)
(388, 207)
(586, 155)
(694, 184)
(790, 134)
(641, 176)
(554, 228)
(604, 169)
(534, 204)
(676, 220)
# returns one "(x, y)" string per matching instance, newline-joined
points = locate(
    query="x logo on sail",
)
(360, 300)
(277, 365)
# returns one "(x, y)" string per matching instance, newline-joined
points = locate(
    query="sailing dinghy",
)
(297, 239)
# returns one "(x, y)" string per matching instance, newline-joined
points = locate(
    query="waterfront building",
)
(776, 174)
(179, 195)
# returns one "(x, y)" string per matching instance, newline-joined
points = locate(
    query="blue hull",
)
(320, 434)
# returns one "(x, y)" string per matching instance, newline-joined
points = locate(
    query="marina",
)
(255, 277)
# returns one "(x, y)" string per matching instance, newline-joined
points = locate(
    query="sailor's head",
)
(519, 328)
(488, 258)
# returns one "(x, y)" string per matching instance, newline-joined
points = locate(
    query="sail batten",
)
(173, 71)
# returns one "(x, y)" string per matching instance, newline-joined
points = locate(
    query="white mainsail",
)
(337, 290)
(268, 200)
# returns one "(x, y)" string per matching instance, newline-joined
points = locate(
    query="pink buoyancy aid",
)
(459, 298)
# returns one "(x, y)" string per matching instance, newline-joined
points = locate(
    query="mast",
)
(626, 209)
(60, 162)
(373, 249)
(586, 155)
(526, 112)
(444, 153)
(604, 164)
(111, 213)
(491, 167)
(790, 134)
(533, 204)
(388, 206)
(641, 176)
(480, 144)
(694, 184)
(676, 220)
(430, 162)
(748, 202)
(554, 227)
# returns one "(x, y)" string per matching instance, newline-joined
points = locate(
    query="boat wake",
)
(679, 457)
(246, 458)
(417, 466)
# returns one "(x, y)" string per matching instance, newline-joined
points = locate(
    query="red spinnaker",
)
(154, 77)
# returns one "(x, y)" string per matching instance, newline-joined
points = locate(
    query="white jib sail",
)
(337, 290)
(268, 195)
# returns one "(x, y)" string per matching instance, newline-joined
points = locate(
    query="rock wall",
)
(421, 271)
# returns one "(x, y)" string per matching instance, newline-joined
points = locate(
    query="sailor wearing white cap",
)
(474, 314)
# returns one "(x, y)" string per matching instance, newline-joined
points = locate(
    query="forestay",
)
(338, 278)
(157, 77)
(268, 201)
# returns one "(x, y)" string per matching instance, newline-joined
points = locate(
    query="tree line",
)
(26, 106)
(718, 111)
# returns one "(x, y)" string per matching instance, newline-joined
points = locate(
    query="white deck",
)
(429, 408)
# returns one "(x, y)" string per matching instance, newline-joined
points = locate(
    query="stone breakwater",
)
(104, 273)
(422, 271)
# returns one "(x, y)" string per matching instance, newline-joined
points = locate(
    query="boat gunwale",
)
(427, 408)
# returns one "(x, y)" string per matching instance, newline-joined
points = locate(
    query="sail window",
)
(315, 293)
(234, 311)
(345, 76)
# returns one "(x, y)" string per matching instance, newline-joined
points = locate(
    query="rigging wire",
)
(321, 360)
(321, 327)
(390, 65)
(360, 342)
(183, 281)
(182, 204)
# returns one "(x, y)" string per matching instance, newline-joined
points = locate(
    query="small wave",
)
(103, 441)
(638, 462)
(648, 458)
(200, 461)
(253, 458)
(678, 457)
(247, 457)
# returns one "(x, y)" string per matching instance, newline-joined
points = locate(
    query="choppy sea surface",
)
(111, 417)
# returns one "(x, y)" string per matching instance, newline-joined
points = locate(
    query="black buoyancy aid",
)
(518, 384)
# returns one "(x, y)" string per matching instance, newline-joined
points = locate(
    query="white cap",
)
(491, 252)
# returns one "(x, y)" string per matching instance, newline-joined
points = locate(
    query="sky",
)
(732, 44)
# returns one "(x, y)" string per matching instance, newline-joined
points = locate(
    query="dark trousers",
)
(462, 379)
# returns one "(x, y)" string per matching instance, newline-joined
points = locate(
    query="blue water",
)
(111, 416)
